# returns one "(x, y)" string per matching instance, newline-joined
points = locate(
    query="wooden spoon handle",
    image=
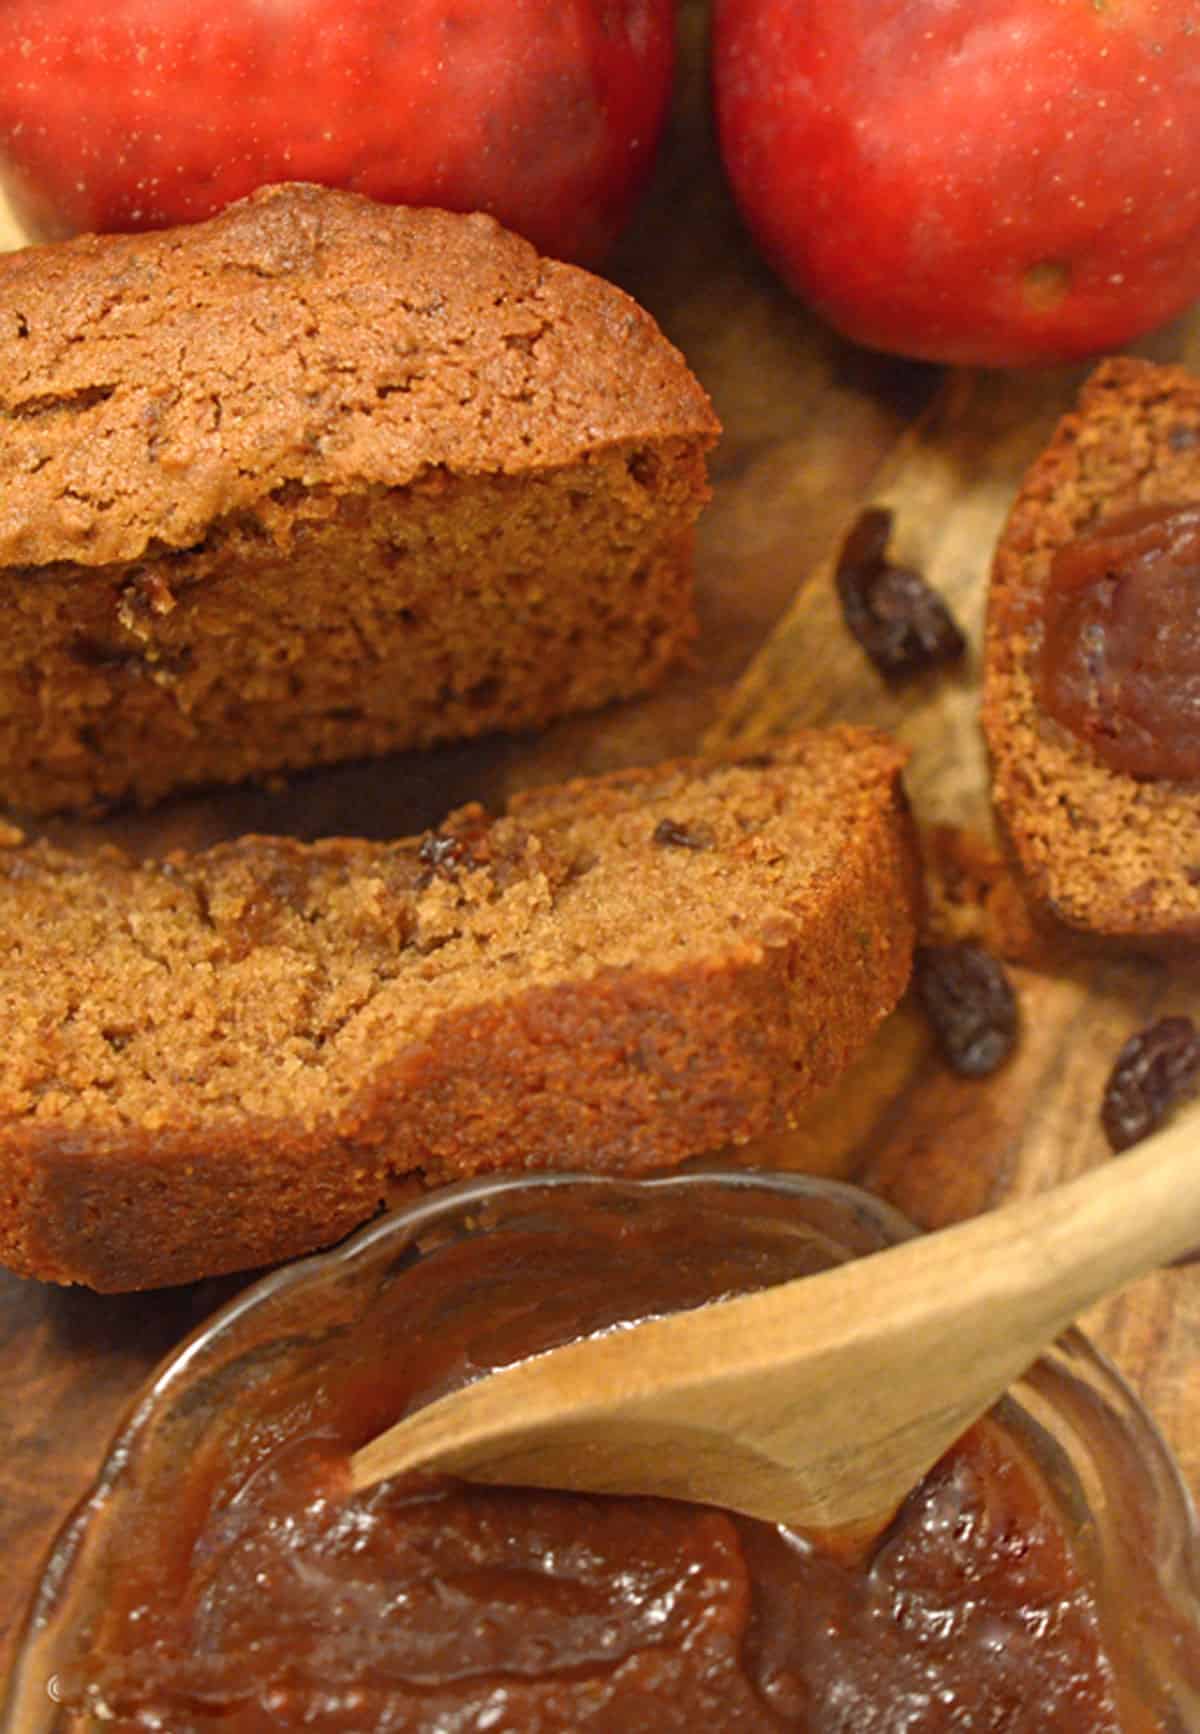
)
(821, 1401)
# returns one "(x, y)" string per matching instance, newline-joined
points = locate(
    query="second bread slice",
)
(220, 1060)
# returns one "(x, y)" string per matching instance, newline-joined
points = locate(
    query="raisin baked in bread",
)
(1092, 670)
(219, 1060)
(322, 478)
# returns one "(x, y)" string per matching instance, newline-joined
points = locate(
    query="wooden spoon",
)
(821, 1402)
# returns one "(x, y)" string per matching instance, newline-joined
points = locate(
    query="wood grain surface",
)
(814, 428)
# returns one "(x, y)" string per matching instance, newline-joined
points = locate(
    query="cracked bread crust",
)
(303, 336)
(228, 1058)
(319, 478)
(1104, 853)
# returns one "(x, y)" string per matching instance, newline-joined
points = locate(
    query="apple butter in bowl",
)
(222, 1575)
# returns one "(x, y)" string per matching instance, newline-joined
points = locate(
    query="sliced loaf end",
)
(1102, 852)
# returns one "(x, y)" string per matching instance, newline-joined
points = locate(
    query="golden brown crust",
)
(314, 1022)
(1102, 852)
(320, 478)
(153, 384)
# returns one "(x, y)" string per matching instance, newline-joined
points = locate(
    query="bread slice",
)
(322, 478)
(219, 1060)
(1103, 852)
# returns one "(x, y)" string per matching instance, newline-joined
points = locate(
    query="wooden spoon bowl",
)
(821, 1402)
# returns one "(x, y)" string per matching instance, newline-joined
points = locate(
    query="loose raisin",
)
(899, 619)
(1156, 1068)
(969, 1000)
(669, 833)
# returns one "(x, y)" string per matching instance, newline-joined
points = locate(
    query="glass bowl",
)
(487, 1272)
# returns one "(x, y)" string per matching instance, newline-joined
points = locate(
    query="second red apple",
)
(984, 181)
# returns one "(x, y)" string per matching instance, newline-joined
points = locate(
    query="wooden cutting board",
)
(814, 429)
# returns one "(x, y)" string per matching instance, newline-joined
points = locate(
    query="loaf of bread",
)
(1104, 851)
(321, 478)
(219, 1060)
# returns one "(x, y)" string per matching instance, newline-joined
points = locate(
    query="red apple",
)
(981, 181)
(126, 114)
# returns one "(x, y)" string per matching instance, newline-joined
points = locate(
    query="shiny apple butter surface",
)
(438, 1606)
(260, 1593)
(1120, 659)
